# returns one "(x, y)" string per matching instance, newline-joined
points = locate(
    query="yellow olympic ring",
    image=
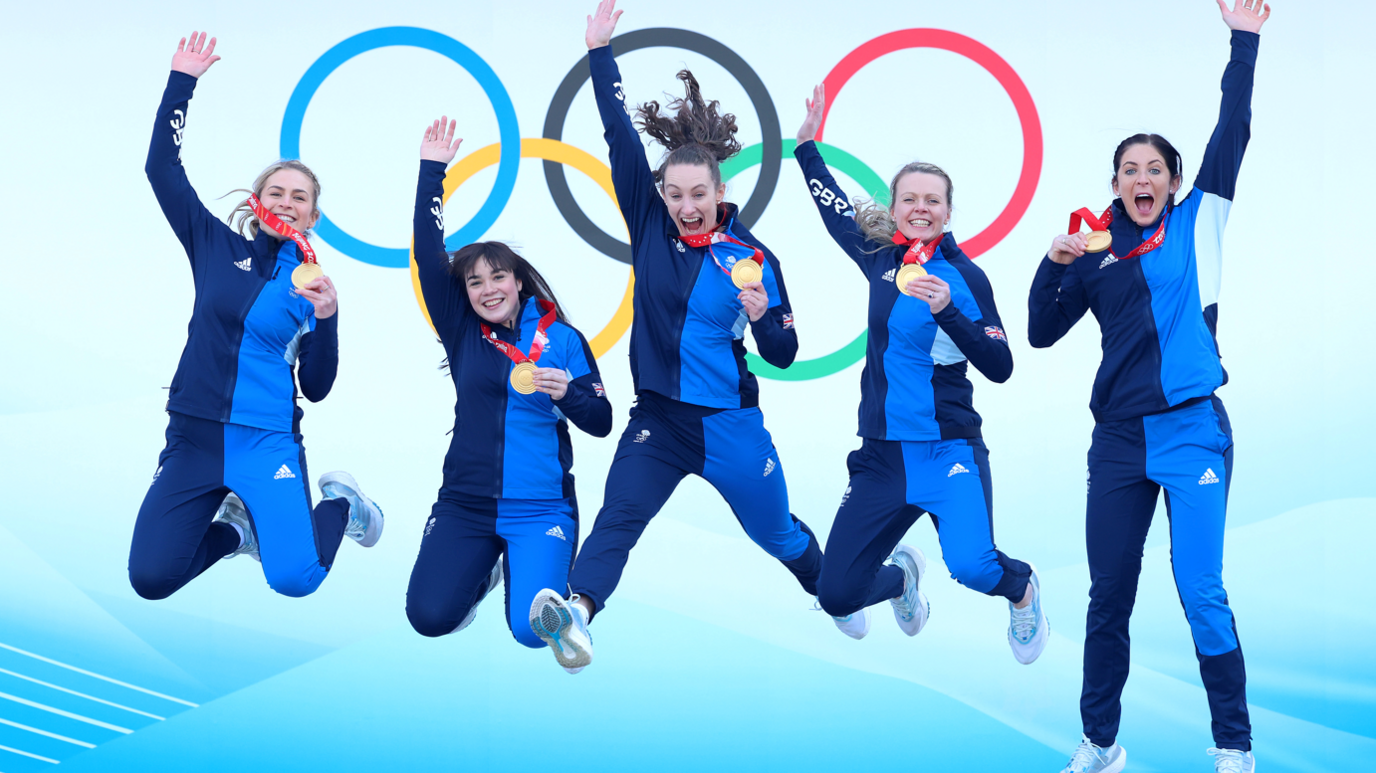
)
(560, 153)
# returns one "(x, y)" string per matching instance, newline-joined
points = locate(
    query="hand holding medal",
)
(309, 279)
(754, 298)
(525, 377)
(929, 289)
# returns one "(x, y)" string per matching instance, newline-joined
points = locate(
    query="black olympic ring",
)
(665, 37)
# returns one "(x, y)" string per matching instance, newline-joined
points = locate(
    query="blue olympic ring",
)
(508, 131)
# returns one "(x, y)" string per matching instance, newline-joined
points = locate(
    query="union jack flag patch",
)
(599, 390)
(995, 332)
(788, 322)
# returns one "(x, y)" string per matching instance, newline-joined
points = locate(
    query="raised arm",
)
(445, 299)
(636, 192)
(180, 204)
(1223, 155)
(832, 203)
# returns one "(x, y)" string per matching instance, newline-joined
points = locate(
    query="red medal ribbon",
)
(918, 252)
(1102, 222)
(275, 223)
(720, 235)
(536, 347)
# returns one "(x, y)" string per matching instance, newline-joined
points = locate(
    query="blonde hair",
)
(244, 210)
(876, 221)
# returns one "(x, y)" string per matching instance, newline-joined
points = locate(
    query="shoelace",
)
(1025, 621)
(1086, 754)
(1228, 760)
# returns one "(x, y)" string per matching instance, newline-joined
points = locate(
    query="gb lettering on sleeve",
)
(438, 212)
(178, 126)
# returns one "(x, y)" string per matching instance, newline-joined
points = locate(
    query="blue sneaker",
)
(232, 511)
(910, 609)
(1028, 628)
(1232, 761)
(365, 517)
(563, 625)
(494, 581)
(1089, 758)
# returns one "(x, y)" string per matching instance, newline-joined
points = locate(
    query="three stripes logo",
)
(244, 265)
(557, 532)
(1208, 477)
(768, 468)
(956, 470)
(283, 473)
(890, 274)
(1110, 260)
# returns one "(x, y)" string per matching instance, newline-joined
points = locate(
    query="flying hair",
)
(693, 130)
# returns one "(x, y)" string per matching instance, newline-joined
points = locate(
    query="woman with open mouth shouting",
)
(522, 375)
(701, 277)
(931, 316)
(1150, 273)
(232, 478)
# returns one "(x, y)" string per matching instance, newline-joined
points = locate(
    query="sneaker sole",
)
(920, 561)
(551, 622)
(374, 531)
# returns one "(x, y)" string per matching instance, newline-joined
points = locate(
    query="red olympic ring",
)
(1007, 78)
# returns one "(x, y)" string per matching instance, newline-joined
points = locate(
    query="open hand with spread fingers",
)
(816, 108)
(194, 56)
(1246, 16)
(439, 143)
(602, 25)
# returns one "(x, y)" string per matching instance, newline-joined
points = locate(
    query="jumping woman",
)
(1150, 273)
(232, 479)
(931, 316)
(701, 277)
(522, 374)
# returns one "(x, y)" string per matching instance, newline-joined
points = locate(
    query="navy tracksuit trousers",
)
(1189, 453)
(666, 440)
(892, 483)
(175, 539)
(464, 538)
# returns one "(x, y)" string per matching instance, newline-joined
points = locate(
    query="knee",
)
(432, 621)
(838, 599)
(151, 585)
(299, 583)
(520, 629)
(975, 573)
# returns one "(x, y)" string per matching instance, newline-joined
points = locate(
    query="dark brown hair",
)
(696, 133)
(500, 257)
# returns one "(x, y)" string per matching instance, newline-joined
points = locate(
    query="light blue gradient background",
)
(709, 657)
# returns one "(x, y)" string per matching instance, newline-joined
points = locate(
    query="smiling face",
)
(1144, 183)
(692, 197)
(289, 194)
(921, 206)
(495, 295)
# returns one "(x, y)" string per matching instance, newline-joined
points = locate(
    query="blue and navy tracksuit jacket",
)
(687, 341)
(248, 326)
(1158, 423)
(922, 450)
(1158, 313)
(914, 385)
(505, 444)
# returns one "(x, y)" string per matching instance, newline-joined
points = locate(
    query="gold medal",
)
(1098, 241)
(746, 271)
(306, 273)
(523, 377)
(908, 273)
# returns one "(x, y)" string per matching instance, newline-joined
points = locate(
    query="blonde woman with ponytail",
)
(232, 479)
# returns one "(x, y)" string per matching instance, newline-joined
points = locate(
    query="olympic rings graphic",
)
(463, 56)
(554, 152)
(661, 37)
(1017, 91)
(550, 148)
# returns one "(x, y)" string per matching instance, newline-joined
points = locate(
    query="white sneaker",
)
(1028, 628)
(1232, 761)
(365, 517)
(563, 625)
(232, 511)
(494, 581)
(910, 609)
(854, 625)
(1089, 758)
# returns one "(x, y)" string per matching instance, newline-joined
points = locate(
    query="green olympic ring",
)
(873, 184)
